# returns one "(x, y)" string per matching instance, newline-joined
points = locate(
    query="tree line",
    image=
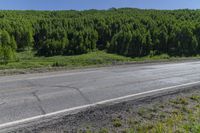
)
(126, 31)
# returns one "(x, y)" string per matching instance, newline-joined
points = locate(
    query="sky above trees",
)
(96, 4)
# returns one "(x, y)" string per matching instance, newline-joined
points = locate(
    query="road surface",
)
(30, 95)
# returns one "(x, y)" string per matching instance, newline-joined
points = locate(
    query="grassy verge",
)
(177, 115)
(27, 60)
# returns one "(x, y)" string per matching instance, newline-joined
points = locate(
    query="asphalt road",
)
(25, 96)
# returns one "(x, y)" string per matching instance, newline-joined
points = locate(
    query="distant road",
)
(30, 95)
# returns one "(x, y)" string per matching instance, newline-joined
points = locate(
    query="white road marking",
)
(23, 121)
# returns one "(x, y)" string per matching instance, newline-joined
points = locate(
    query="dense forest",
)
(128, 32)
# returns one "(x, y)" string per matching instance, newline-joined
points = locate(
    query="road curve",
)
(30, 95)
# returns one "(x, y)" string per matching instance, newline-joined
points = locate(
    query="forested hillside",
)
(128, 32)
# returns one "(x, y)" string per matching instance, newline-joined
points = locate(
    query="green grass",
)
(27, 60)
(177, 115)
(117, 122)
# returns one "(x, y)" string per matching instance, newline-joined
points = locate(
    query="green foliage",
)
(28, 59)
(7, 47)
(117, 122)
(104, 131)
(128, 32)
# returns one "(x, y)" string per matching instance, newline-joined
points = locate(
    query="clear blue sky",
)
(96, 4)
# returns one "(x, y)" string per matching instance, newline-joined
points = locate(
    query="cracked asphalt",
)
(29, 95)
